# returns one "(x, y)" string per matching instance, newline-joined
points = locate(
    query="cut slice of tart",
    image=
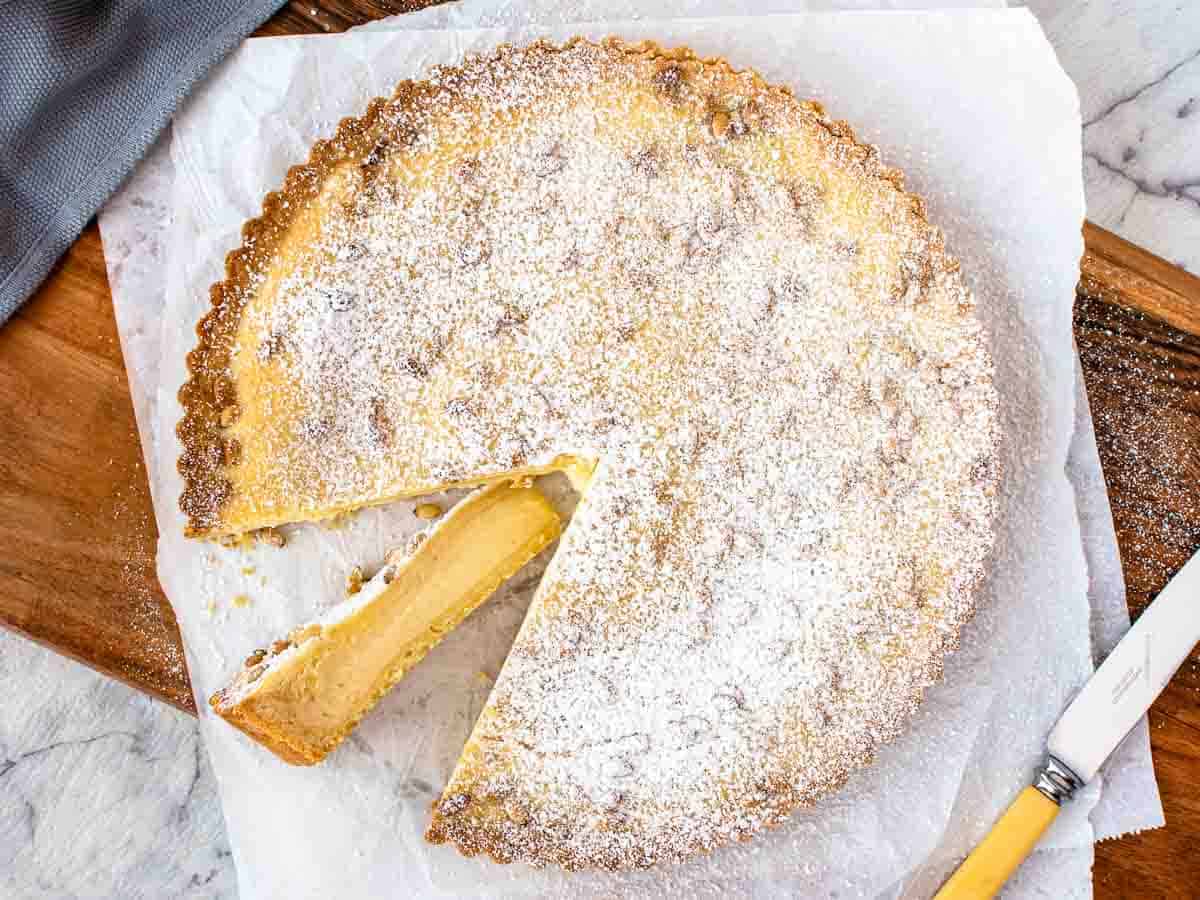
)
(632, 257)
(303, 696)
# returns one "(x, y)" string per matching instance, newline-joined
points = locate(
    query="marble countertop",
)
(1137, 66)
(106, 793)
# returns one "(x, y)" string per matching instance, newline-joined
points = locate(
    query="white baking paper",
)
(371, 801)
(1129, 799)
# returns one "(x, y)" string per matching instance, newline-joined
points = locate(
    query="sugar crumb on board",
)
(1143, 380)
(150, 620)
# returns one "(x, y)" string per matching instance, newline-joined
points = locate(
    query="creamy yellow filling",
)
(314, 693)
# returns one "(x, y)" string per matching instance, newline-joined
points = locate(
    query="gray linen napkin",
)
(85, 86)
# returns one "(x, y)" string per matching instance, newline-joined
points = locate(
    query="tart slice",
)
(302, 698)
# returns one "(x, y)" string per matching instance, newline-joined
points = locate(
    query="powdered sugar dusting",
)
(699, 283)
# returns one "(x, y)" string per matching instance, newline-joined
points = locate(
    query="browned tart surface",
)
(619, 256)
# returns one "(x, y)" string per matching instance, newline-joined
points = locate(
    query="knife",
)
(1111, 702)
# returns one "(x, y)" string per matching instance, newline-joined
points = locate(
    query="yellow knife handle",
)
(1011, 839)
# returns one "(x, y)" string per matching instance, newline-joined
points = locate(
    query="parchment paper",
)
(370, 802)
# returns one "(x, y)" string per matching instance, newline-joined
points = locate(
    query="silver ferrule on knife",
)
(1056, 781)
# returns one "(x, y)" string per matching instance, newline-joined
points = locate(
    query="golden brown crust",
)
(227, 704)
(209, 397)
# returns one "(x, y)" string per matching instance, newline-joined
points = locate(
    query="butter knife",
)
(1095, 722)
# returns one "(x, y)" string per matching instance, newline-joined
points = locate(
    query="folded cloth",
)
(85, 86)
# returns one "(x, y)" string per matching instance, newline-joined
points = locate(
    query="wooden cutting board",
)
(77, 532)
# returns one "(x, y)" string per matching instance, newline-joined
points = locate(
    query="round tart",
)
(734, 328)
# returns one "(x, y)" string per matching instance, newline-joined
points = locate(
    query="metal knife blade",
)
(1132, 676)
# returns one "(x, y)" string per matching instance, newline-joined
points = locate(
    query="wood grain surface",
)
(1143, 381)
(78, 533)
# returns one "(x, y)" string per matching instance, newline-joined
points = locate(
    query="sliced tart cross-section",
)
(301, 699)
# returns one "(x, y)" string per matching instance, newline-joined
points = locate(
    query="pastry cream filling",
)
(313, 693)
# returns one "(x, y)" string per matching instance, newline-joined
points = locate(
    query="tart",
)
(727, 319)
